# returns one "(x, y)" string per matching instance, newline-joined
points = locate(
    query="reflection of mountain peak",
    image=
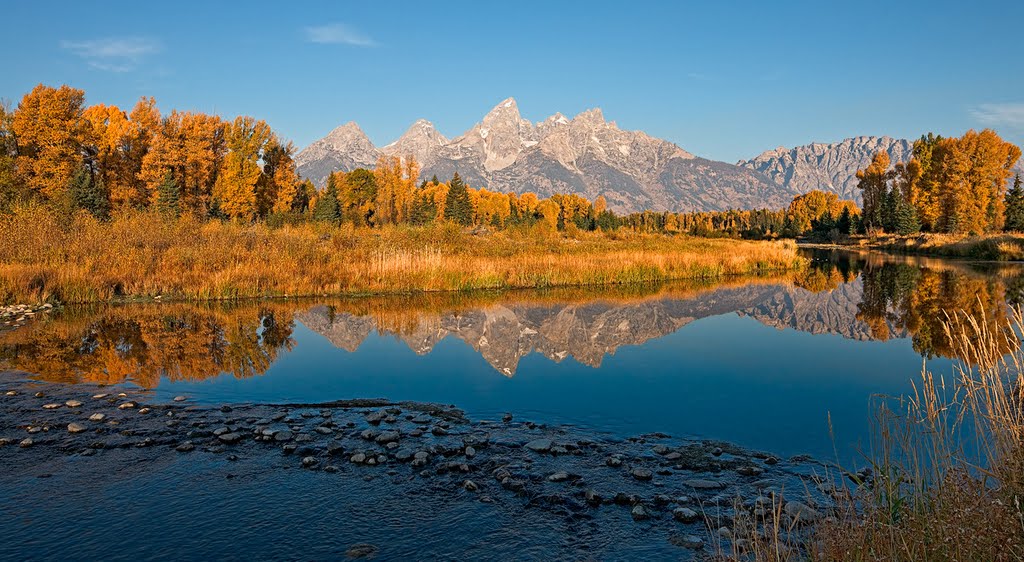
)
(504, 334)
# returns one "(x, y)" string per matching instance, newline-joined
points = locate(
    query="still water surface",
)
(767, 363)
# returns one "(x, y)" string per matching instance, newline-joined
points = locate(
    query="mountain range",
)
(592, 156)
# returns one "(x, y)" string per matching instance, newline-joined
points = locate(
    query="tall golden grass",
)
(948, 461)
(989, 247)
(47, 256)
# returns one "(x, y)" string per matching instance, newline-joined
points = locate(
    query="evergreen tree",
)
(89, 193)
(424, 211)
(845, 222)
(168, 196)
(905, 219)
(326, 208)
(889, 204)
(1014, 212)
(458, 208)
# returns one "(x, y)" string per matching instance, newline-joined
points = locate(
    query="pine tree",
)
(89, 193)
(168, 196)
(458, 209)
(845, 222)
(905, 219)
(326, 208)
(889, 204)
(1015, 207)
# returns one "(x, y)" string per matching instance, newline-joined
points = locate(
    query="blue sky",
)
(724, 80)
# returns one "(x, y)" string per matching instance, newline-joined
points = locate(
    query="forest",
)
(100, 159)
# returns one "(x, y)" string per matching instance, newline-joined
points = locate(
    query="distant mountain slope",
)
(586, 155)
(830, 166)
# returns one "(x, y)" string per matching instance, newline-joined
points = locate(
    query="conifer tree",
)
(905, 219)
(88, 192)
(458, 209)
(168, 196)
(1015, 207)
(326, 208)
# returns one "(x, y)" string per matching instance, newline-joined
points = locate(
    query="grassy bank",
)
(79, 259)
(989, 247)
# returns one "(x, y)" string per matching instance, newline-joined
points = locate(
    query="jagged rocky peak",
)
(422, 140)
(586, 155)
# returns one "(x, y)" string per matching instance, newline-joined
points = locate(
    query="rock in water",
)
(75, 427)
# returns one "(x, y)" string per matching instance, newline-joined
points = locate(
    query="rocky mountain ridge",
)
(586, 154)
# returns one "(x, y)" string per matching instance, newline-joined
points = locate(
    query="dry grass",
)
(947, 463)
(991, 247)
(140, 255)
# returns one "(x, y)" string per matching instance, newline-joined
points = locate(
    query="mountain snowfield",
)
(591, 156)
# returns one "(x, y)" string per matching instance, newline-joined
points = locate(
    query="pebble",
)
(685, 515)
(687, 541)
(51, 406)
(704, 484)
(126, 406)
(470, 452)
(358, 458)
(558, 477)
(389, 436)
(26, 443)
(308, 462)
(613, 461)
(362, 550)
(99, 396)
(282, 436)
(75, 427)
(97, 417)
(72, 403)
(592, 497)
(185, 447)
(230, 438)
(180, 399)
(639, 513)
(802, 513)
(144, 411)
(642, 474)
(471, 486)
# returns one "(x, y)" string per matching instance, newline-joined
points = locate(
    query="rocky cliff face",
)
(828, 167)
(504, 334)
(587, 155)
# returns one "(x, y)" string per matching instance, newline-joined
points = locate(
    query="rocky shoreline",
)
(701, 497)
(17, 315)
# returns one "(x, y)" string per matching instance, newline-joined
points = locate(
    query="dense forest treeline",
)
(102, 159)
(950, 185)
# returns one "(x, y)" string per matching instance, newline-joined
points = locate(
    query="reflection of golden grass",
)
(141, 255)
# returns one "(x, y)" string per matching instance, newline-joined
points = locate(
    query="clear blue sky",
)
(724, 80)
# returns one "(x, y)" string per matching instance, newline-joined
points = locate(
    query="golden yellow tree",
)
(50, 130)
(240, 171)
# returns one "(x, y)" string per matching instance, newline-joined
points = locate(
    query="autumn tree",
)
(279, 187)
(240, 171)
(873, 183)
(357, 195)
(10, 187)
(50, 131)
(192, 146)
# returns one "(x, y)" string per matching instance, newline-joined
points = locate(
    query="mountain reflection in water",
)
(861, 297)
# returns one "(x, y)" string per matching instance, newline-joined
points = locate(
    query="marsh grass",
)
(988, 247)
(947, 462)
(44, 256)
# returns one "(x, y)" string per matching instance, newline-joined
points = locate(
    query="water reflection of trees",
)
(908, 298)
(141, 344)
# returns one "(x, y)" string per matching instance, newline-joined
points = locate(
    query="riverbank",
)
(988, 247)
(609, 497)
(142, 255)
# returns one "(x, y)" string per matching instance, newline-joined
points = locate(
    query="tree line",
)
(950, 185)
(100, 158)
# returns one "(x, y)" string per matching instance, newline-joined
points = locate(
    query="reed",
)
(139, 255)
(947, 462)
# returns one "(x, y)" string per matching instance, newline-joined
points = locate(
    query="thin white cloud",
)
(338, 34)
(999, 114)
(113, 54)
